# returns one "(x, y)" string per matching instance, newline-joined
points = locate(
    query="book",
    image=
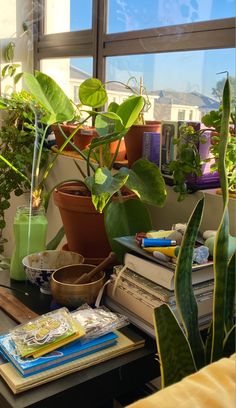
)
(162, 274)
(160, 292)
(125, 343)
(130, 243)
(46, 333)
(152, 147)
(142, 324)
(143, 303)
(77, 349)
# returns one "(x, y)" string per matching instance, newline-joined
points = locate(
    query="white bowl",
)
(40, 266)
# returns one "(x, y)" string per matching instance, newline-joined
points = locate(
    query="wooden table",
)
(92, 387)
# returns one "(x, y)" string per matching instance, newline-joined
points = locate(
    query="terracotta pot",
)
(67, 129)
(84, 137)
(134, 139)
(84, 226)
(122, 150)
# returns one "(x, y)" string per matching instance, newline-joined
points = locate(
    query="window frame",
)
(96, 43)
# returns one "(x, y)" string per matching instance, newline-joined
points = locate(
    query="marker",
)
(157, 242)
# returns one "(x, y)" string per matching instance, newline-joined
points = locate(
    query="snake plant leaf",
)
(92, 93)
(125, 217)
(129, 110)
(230, 293)
(146, 180)
(103, 186)
(223, 142)
(185, 299)
(47, 92)
(229, 342)
(220, 257)
(220, 253)
(176, 359)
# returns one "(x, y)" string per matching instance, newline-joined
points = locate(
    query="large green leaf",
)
(46, 91)
(106, 123)
(92, 93)
(184, 294)
(103, 186)
(130, 109)
(55, 241)
(125, 218)
(146, 180)
(176, 359)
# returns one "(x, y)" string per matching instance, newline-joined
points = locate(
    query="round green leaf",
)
(92, 93)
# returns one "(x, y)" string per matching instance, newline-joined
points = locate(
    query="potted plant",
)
(99, 183)
(182, 351)
(213, 121)
(134, 137)
(196, 164)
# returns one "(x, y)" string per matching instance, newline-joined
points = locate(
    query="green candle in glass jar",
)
(30, 234)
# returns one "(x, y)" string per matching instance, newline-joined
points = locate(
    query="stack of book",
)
(146, 282)
(54, 344)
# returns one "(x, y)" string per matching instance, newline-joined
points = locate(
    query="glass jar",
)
(30, 234)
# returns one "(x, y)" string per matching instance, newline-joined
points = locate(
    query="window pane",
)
(127, 15)
(68, 73)
(71, 15)
(180, 85)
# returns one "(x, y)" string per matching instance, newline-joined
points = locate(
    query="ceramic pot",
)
(84, 136)
(84, 226)
(134, 139)
(122, 149)
(67, 129)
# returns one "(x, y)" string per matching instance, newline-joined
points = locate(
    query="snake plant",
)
(181, 348)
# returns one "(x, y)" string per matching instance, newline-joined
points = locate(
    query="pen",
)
(157, 242)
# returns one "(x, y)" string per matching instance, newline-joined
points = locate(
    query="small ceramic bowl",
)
(40, 266)
(67, 293)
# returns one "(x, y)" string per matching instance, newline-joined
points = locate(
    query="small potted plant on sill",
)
(99, 183)
(213, 121)
(191, 170)
(134, 137)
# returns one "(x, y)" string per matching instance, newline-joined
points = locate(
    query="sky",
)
(193, 71)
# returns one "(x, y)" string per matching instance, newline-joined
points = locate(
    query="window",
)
(177, 46)
(68, 73)
(67, 15)
(181, 114)
(180, 85)
(129, 15)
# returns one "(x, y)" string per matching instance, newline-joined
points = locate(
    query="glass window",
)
(175, 81)
(67, 15)
(127, 15)
(181, 114)
(69, 73)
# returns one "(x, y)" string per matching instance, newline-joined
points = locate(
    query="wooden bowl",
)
(68, 294)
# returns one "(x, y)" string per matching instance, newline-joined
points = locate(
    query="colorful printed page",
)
(46, 333)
